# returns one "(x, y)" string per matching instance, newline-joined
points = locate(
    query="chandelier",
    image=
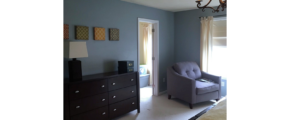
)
(223, 4)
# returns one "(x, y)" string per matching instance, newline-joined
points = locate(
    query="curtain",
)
(206, 43)
(147, 48)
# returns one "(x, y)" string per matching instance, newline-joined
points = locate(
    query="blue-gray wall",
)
(187, 34)
(103, 55)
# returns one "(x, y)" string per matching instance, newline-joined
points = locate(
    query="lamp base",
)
(75, 70)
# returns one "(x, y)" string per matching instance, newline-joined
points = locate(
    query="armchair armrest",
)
(180, 86)
(216, 79)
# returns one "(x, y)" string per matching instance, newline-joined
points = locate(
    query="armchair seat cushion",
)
(204, 87)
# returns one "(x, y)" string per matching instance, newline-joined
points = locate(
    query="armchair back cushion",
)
(188, 69)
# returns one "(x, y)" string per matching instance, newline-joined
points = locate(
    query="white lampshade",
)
(75, 49)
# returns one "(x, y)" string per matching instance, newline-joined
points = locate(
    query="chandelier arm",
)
(198, 5)
(225, 4)
(207, 3)
(211, 8)
(218, 7)
(222, 5)
(217, 10)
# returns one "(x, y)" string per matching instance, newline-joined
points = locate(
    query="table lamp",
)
(75, 50)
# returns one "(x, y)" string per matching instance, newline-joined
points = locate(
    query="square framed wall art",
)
(82, 32)
(65, 31)
(99, 33)
(114, 34)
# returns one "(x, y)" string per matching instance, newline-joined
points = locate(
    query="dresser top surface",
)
(99, 76)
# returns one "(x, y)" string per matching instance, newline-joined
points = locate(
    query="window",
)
(219, 47)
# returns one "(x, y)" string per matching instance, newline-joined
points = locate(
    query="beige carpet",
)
(219, 112)
(160, 108)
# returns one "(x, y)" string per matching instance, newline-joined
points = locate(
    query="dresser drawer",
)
(88, 103)
(122, 107)
(121, 94)
(87, 89)
(98, 114)
(122, 81)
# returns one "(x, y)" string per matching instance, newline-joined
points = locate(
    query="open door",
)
(153, 52)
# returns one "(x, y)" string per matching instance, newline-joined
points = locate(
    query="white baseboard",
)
(163, 92)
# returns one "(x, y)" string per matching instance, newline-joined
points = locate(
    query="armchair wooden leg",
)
(190, 105)
(169, 96)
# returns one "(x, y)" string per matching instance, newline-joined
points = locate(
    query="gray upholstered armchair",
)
(182, 83)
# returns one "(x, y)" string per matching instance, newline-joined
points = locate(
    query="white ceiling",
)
(172, 5)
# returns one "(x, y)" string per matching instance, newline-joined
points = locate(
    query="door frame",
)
(155, 54)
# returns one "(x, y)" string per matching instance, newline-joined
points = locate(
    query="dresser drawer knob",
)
(103, 85)
(104, 113)
(113, 83)
(114, 96)
(77, 91)
(115, 109)
(132, 91)
(133, 103)
(132, 79)
(78, 107)
(103, 99)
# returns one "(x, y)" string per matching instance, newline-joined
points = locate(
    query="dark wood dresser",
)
(101, 96)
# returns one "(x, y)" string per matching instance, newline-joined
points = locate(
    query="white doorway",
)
(151, 53)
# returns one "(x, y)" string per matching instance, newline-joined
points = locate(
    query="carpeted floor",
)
(215, 111)
(160, 108)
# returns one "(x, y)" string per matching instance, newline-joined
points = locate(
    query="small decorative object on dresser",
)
(125, 66)
(101, 96)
